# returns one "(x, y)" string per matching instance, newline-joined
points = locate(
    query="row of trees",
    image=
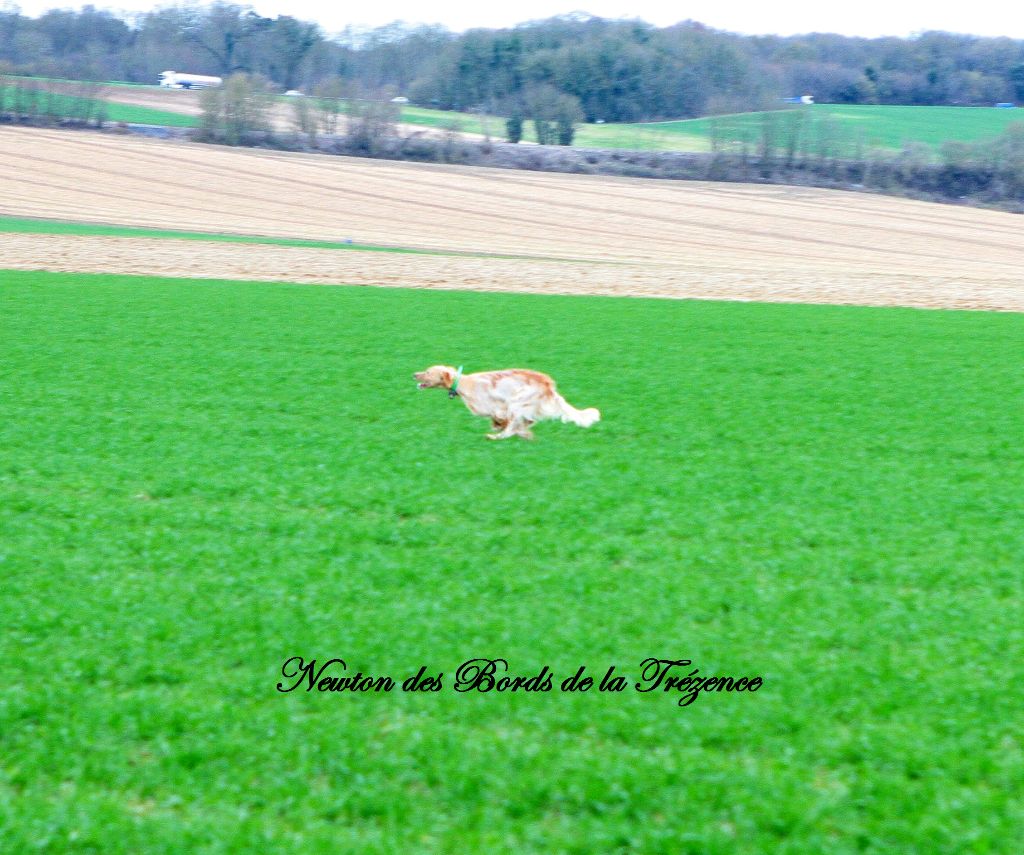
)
(239, 113)
(614, 70)
(933, 68)
(52, 102)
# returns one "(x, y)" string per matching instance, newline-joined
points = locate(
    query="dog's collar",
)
(453, 390)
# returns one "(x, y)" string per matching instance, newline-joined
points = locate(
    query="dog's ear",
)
(447, 378)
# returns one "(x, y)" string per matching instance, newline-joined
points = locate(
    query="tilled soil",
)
(614, 236)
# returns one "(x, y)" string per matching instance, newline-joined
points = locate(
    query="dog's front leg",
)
(500, 427)
(508, 428)
(515, 427)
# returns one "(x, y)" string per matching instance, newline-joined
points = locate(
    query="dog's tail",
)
(583, 418)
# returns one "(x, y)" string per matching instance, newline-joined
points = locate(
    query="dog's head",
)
(436, 377)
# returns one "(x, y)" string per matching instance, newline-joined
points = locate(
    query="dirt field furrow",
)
(667, 239)
(186, 258)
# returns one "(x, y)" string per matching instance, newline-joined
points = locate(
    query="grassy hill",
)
(871, 126)
(626, 136)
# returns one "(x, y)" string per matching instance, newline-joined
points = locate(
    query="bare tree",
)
(235, 112)
(223, 31)
(555, 115)
(288, 42)
(370, 122)
(304, 117)
(330, 101)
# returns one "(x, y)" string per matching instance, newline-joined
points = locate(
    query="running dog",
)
(513, 399)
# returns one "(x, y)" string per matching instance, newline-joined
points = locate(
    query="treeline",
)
(238, 113)
(614, 71)
(786, 147)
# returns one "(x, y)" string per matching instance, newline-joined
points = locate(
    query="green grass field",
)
(134, 114)
(43, 226)
(32, 225)
(871, 126)
(64, 105)
(630, 136)
(202, 479)
(123, 83)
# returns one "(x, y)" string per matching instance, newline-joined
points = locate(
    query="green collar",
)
(453, 391)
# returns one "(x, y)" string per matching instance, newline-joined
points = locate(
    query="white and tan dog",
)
(513, 399)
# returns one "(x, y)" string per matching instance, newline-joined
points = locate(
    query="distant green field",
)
(872, 125)
(33, 225)
(67, 80)
(148, 116)
(869, 126)
(853, 127)
(63, 105)
(636, 136)
(26, 225)
(201, 479)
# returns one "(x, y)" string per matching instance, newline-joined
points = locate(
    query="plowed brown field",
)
(615, 236)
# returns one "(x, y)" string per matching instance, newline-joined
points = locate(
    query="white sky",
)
(864, 18)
